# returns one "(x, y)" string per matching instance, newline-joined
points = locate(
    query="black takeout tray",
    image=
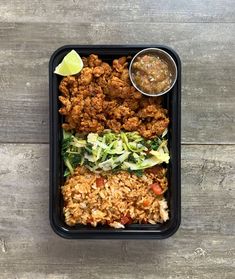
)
(172, 101)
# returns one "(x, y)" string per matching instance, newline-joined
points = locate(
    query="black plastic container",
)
(172, 101)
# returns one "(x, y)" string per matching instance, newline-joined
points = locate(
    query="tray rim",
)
(114, 234)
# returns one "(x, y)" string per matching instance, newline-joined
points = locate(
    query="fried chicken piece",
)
(66, 84)
(122, 111)
(107, 68)
(109, 106)
(75, 113)
(153, 112)
(125, 76)
(154, 121)
(102, 82)
(82, 90)
(135, 94)
(63, 88)
(118, 88)
(132, 124)
(98, 71)
(71, 80)
(97, 103)
(148, 111)
(90, 125)
(93, 105)
(101, 117)
(154, 128)
(144, 132)
(87, 103)
(120, 64)
(159, 125)
(78, 105)
(70, 124)
(114, 125)
(133, 104)
(146, 101)
(93, 61)
(67, 105)
(94, 89)
(74, 91)
(85, 77)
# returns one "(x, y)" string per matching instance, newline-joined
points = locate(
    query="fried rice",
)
(121, 199)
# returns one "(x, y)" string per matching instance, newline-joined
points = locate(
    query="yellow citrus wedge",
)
(71, 64)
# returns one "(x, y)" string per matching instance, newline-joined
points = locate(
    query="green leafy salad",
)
(110, 151)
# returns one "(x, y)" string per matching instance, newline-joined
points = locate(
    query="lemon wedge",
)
(71, 64)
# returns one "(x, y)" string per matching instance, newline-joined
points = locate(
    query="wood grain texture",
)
(202, 32)
(202, 248)
(208, 83)
(80, 11)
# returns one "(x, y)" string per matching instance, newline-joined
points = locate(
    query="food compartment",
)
(171, 102)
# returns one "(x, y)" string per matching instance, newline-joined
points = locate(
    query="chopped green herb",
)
(139, 173)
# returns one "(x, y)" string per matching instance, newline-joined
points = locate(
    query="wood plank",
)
(161, 268)
(79, 11)
(208, 97)
(202, 248)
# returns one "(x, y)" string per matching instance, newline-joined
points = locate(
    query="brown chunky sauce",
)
(151, 74)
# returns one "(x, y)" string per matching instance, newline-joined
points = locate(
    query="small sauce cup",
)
(164, 56)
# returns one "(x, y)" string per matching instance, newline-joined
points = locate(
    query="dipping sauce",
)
(151, 74)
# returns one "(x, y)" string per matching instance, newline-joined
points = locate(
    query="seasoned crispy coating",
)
(132, 124)
(102, 96)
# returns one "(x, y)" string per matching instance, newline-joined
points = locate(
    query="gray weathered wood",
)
(202, 32)
(206, 51)
(202, 248)
(78, 11)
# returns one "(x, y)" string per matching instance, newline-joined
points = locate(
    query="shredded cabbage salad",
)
(110, 151)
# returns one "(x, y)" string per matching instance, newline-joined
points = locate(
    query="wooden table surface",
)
(202, 32)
